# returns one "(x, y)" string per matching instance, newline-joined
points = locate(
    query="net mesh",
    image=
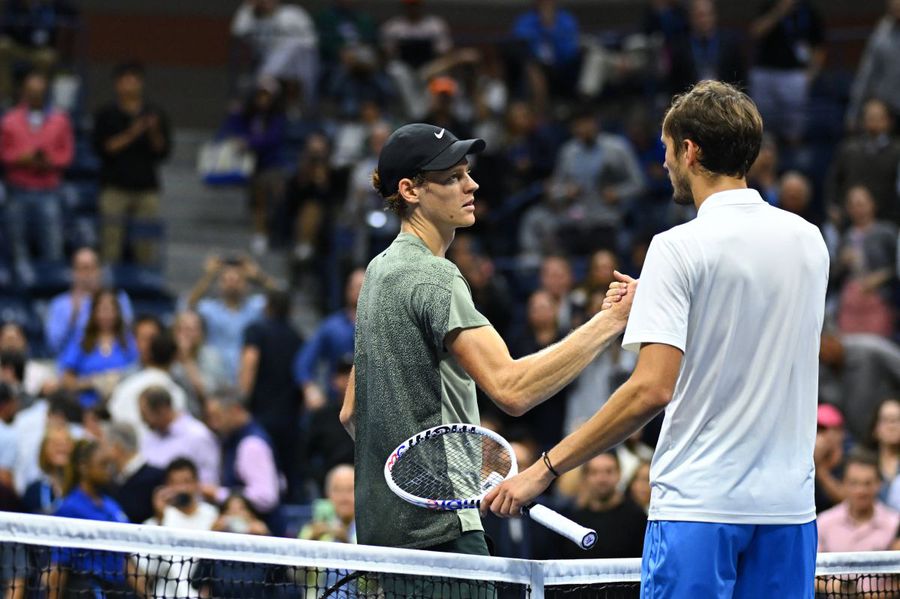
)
(45, 557)
(452, 465)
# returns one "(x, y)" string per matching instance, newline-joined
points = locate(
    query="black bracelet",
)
(549, 466)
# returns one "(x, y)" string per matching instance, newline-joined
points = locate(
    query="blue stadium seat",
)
(50, 278)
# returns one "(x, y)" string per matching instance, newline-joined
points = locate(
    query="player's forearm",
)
(347, 410)
(630, 407)
(534, 378)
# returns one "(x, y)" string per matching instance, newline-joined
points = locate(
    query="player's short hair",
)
(723, 121)
(395, 202)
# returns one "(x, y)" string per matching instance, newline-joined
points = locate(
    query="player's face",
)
(448, 197)
(681, 185)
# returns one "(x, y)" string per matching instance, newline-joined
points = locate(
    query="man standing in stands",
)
(135, 479)
(37, 145)
(132, 137)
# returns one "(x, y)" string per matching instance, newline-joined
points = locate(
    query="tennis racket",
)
(453, 466)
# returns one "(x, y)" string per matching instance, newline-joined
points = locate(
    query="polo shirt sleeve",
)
(463, 313)
(663, 301)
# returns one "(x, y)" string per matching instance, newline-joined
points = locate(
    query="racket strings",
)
(452, 466)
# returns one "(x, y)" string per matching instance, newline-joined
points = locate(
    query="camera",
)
(181, 500)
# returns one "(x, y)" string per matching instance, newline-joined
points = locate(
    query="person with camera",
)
(178, 504)
(227, 315)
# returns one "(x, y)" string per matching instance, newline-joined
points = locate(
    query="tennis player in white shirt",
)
(726, 322)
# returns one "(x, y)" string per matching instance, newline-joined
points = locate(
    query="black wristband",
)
(549, 466)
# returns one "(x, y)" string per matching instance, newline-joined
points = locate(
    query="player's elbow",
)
(655, 397)
(509, 403)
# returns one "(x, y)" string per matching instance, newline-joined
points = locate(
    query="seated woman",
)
(93, 364)
(99, 573)
(43, 495)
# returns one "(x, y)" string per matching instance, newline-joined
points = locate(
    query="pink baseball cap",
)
(829, 416)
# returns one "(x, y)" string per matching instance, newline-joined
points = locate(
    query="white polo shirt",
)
(741, 291)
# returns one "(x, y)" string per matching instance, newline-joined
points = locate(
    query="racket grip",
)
(578, 534)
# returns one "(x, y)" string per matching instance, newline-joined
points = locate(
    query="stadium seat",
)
(140, 282)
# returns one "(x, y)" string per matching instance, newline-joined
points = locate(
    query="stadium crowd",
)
(215, 413)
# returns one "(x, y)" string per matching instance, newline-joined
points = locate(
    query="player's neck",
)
(434, 239)
(703, 187)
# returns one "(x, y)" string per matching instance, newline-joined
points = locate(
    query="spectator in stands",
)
(870, 158)
(131, 137)
(341, 26)
(68, 312)
(124, 404)
(602, 506)
(34, 34)
(829, 457)
(790, 53)
(333, 516)
(177, 504)
(284, 42)
(884, 441)
(266, 381)
(12, 373)
(228, 315)
(39, 379)
(443, 98)
(248, 462)
(198, 366)
(331, 343)
(328, 444)
(362, 215)
(357, 88)
(601, 266)
(238, 515)
(878, 75)
(89, 571)
(551, 35)
(9, 405)
(795, 194)
(856, 373)
(259, 126)
(706, 52)
(596, 179)
(490, 292)
(59, 410)
(37, 146)
(94, 364)
(415, 38)
(43, 495)
(861, 522)
(599, 379)
(639, 486)
(176, 434)
(668, 19)
(145, 329)
(866, 267)
(763, 175)
(313, 194)
(135, 479)
(541, 330)
(556, 278)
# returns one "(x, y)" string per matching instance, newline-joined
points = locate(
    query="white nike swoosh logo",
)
(439, 135)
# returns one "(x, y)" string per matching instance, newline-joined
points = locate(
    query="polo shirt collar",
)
(732, 197)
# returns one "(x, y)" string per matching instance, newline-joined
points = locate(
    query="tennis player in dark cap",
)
(421, 346)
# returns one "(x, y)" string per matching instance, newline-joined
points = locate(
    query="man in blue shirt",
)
(552, 38)
(68, 312)
(228, 315)
(331, 342)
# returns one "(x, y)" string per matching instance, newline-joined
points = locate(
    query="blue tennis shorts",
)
(703, 560)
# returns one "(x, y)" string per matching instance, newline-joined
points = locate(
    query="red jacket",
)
(18, 138)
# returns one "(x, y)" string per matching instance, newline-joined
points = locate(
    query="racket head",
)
(450, 466)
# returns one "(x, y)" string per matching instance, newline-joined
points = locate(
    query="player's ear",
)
(409, 191)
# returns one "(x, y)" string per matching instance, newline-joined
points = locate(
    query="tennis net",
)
(47, 557)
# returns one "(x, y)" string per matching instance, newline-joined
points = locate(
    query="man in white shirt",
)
(124, 404)
(727, 324)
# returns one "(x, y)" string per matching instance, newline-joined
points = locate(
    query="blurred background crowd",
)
(200, 387)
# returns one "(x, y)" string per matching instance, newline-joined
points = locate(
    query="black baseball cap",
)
(419, 147)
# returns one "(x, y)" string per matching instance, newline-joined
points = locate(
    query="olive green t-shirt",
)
(407, 381)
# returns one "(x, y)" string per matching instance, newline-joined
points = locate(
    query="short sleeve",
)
(70, 358)
(431, 306)
(662, 304)
(463, 313)
(253, 335)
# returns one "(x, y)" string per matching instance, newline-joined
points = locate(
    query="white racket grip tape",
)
(578, 534)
